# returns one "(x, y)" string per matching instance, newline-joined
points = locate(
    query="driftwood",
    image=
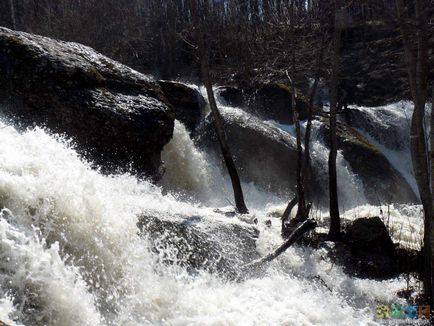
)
(302, 228)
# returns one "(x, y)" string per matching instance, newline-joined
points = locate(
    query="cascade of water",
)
(70, 253)
(388, 129)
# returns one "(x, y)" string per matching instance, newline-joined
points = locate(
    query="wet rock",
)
(266, 155)
(370, 235)
(366, 250)
(215, 246)
(188, 104)
(117, 116)
(383, 183)
(232, 96)
(263, 153)
(271, 101)
(384, 125)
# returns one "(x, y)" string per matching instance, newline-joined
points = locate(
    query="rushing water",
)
(70, 253)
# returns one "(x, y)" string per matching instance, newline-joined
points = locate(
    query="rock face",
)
(262, 152)
(384, 184)
(268, 101)
(187, 103)
(117, 116)
(266, 155)
(220, 247)
(389, 126)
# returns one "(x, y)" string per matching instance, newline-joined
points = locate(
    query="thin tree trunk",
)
(217, 119)
(218, 126)
(296, 119)
(12, 12)
(416, 54)
(335, 221)
(285, 232)
(307, 173)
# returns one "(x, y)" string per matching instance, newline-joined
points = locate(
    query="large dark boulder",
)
(367, 250)
(118, 117)
(232, 96)
(370, 235)
(217, 246)
(188, 104)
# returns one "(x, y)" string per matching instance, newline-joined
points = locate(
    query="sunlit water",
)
(70, 253)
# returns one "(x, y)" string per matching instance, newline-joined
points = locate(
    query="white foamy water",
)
(70, 253)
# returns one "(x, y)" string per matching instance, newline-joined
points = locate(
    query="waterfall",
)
(70, 253)
(396, 146)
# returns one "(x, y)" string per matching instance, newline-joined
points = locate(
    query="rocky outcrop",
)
(366, 250)
(118, 117)
(266, 155)
(382, 182)
(216, 246)
(389, 126)
(270, 101)
(187, 103)
(263, 153)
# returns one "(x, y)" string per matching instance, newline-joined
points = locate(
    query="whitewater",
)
(70, 252)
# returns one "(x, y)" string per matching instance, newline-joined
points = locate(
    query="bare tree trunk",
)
(307, 173)
(335, 221)
(416, 51)
(217, 119)
(12, 12)
(218, 126)
(296, 119)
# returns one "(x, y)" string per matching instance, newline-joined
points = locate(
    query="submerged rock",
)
(217, 246)
(118, 117)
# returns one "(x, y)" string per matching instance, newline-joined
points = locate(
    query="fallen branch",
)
(304, 227)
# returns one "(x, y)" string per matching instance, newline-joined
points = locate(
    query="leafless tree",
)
(413, 18)
(335, 222)
(199, 10)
